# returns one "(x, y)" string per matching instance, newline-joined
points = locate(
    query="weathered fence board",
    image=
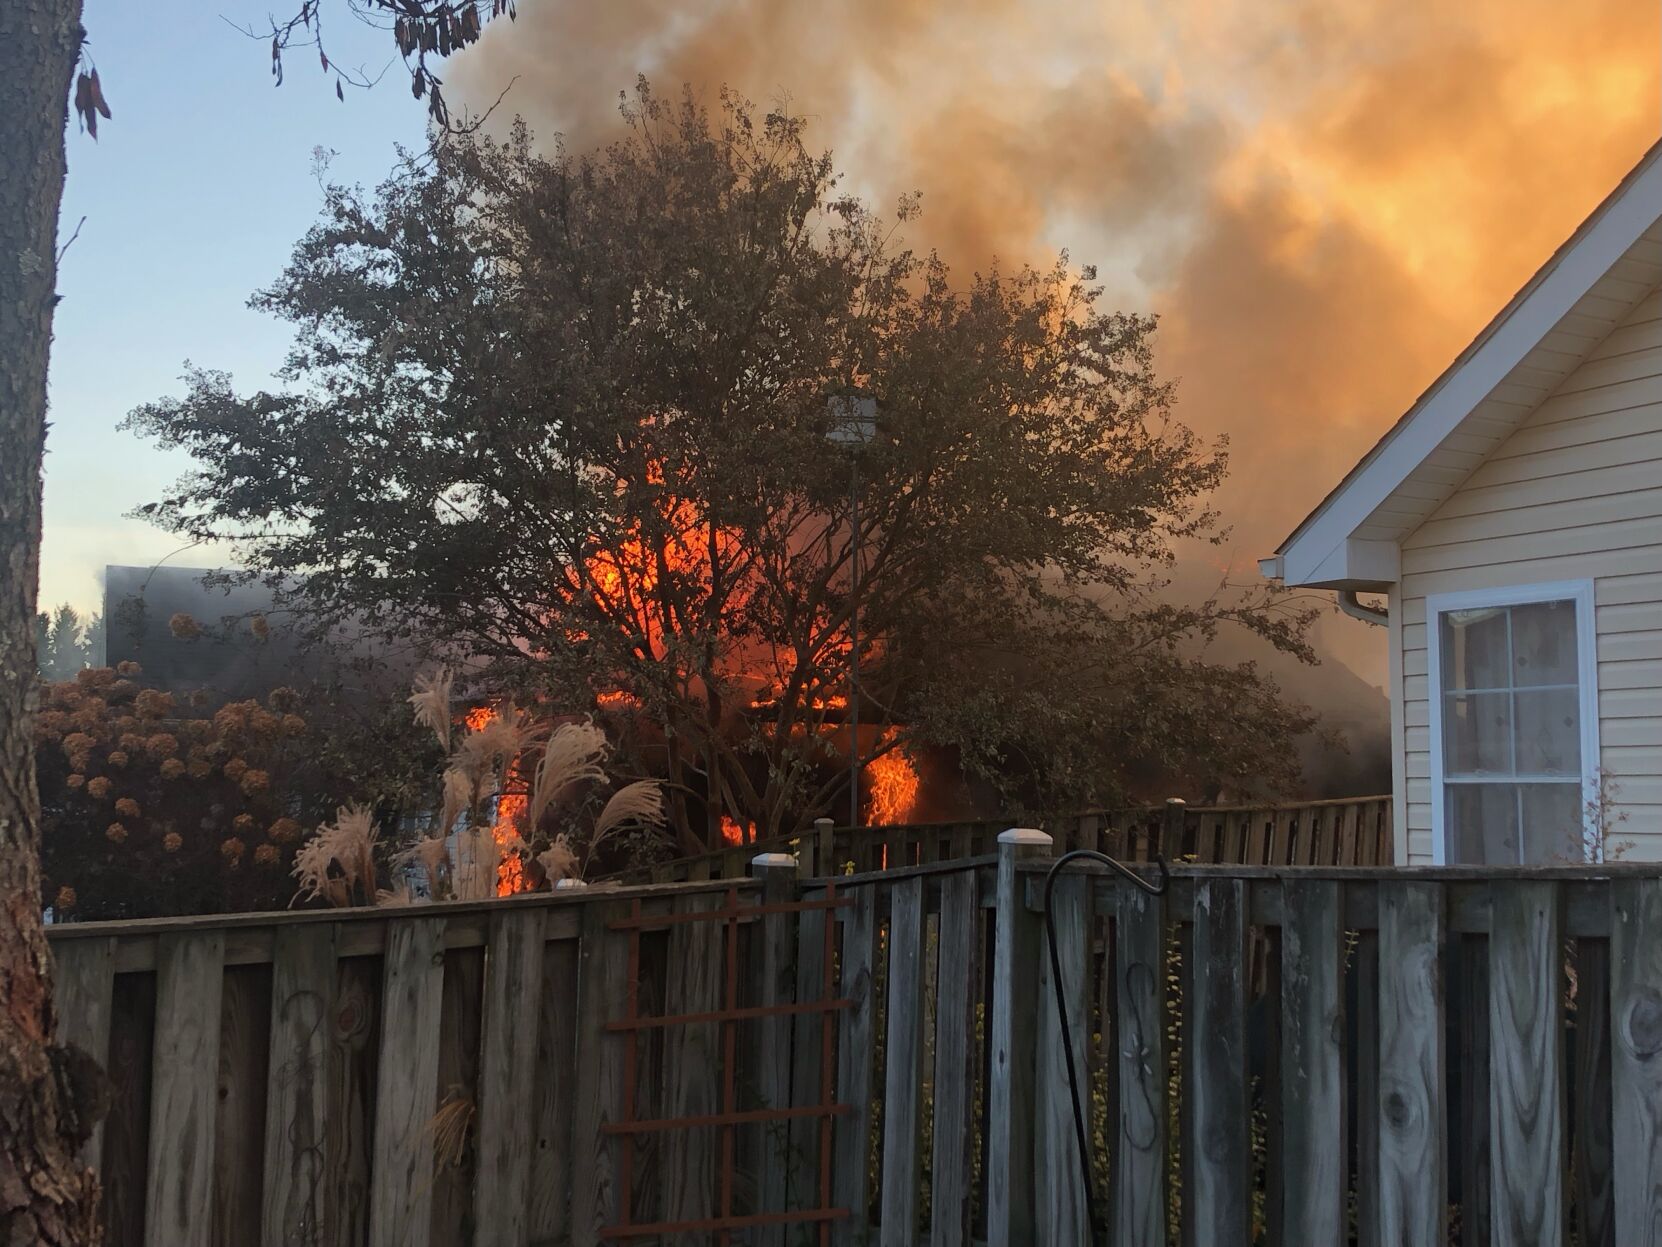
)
(1139, 1151)
(1218, 1136)
(1064, 1211)
(601, 991)
(951, 1176)
(83, 986)
(1593, 1161)
(1526, 1111)
(1413, 1201)
(297, 1102)
(1016, 950)
(507, 1067)
(406, 1095)
(903, 1066)
(553, 1090)
(178, 1206)
(851, 1184)
(240, 1104)
(1636, 1067)
(694, 1158)
(1313, 1114)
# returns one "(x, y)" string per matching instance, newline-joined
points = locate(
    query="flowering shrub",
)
(151, 807)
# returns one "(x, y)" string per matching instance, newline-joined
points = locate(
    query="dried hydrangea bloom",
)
(172, 841)
(293, 725)
(243, 824)
(65, 898)
(232, 848)
(234, 769)
(98, 788)
(118, 757)
(283, 700)
(153, 704)
(76, 780)
(184, 626)
(266, 855)
(127, 808)
(173, 768)
(254, 781)
(115, 833)
(283, 830)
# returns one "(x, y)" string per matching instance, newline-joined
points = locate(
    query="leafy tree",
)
(48, 1197)
(572, 417)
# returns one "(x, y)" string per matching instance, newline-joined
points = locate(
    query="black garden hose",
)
(1153, 889)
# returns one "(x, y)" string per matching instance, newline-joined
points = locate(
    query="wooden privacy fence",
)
(1285, 1056)
(1350, 831)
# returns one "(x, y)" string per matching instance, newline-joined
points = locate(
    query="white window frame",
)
(1586, 644)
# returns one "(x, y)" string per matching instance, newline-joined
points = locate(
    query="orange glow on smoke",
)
(892, 781)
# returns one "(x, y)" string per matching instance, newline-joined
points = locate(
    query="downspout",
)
(1352, 606)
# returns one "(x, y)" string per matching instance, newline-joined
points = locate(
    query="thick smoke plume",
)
(1323, 199)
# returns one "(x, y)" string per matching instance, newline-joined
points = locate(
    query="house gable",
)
(1562, 320)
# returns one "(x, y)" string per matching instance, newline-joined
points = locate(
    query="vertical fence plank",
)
(903, 1065)
(1139, 1150)
(808, 1051)
(1064, 1203)
(125, 1158)
(83, 988)
(1313, 1089)
(553, 1093)
(507, 1068)
(302, 988)
(1009, 1166)
(1593, 1159)
(179, 1181)
(776, 986)
(602, 988)
(1413, 1185)
(401, 1175)
(692, 1064)
(850, 1180)
(1472, 1036)
(240, 1105)
(954, 1125)
(1636, 1058)
(458, 1091)
(1216, 1094)
(1526, 1089)
(349, 1125)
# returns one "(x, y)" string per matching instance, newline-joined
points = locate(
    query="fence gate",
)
(633, 1023)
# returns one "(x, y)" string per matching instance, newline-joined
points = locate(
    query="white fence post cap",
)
(1029, 836)
(773, 859)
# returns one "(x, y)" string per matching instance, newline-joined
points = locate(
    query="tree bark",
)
(46, 1196)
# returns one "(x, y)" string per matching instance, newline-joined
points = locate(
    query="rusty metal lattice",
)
(632, 1024)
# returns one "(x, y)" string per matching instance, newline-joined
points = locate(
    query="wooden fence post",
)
(1636, 1040)
(1010, 1208)
(824, 853)
(1413, 1166)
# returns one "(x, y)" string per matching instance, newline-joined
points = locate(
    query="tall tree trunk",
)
(46, 1196)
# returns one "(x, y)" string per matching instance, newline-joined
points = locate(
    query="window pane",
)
(1481, 822)
(1477, 731)
(1543, 644)
(1474, 649)
(1552, 817)
(1548, 723)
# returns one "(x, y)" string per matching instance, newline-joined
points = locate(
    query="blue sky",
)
(193, 196)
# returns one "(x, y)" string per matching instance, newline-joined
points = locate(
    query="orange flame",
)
(892, 781)
(506, 811)
(732, 831)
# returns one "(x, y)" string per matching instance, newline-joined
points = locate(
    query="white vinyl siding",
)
(1574, 494)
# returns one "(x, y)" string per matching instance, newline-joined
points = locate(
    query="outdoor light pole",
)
(853, 424)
